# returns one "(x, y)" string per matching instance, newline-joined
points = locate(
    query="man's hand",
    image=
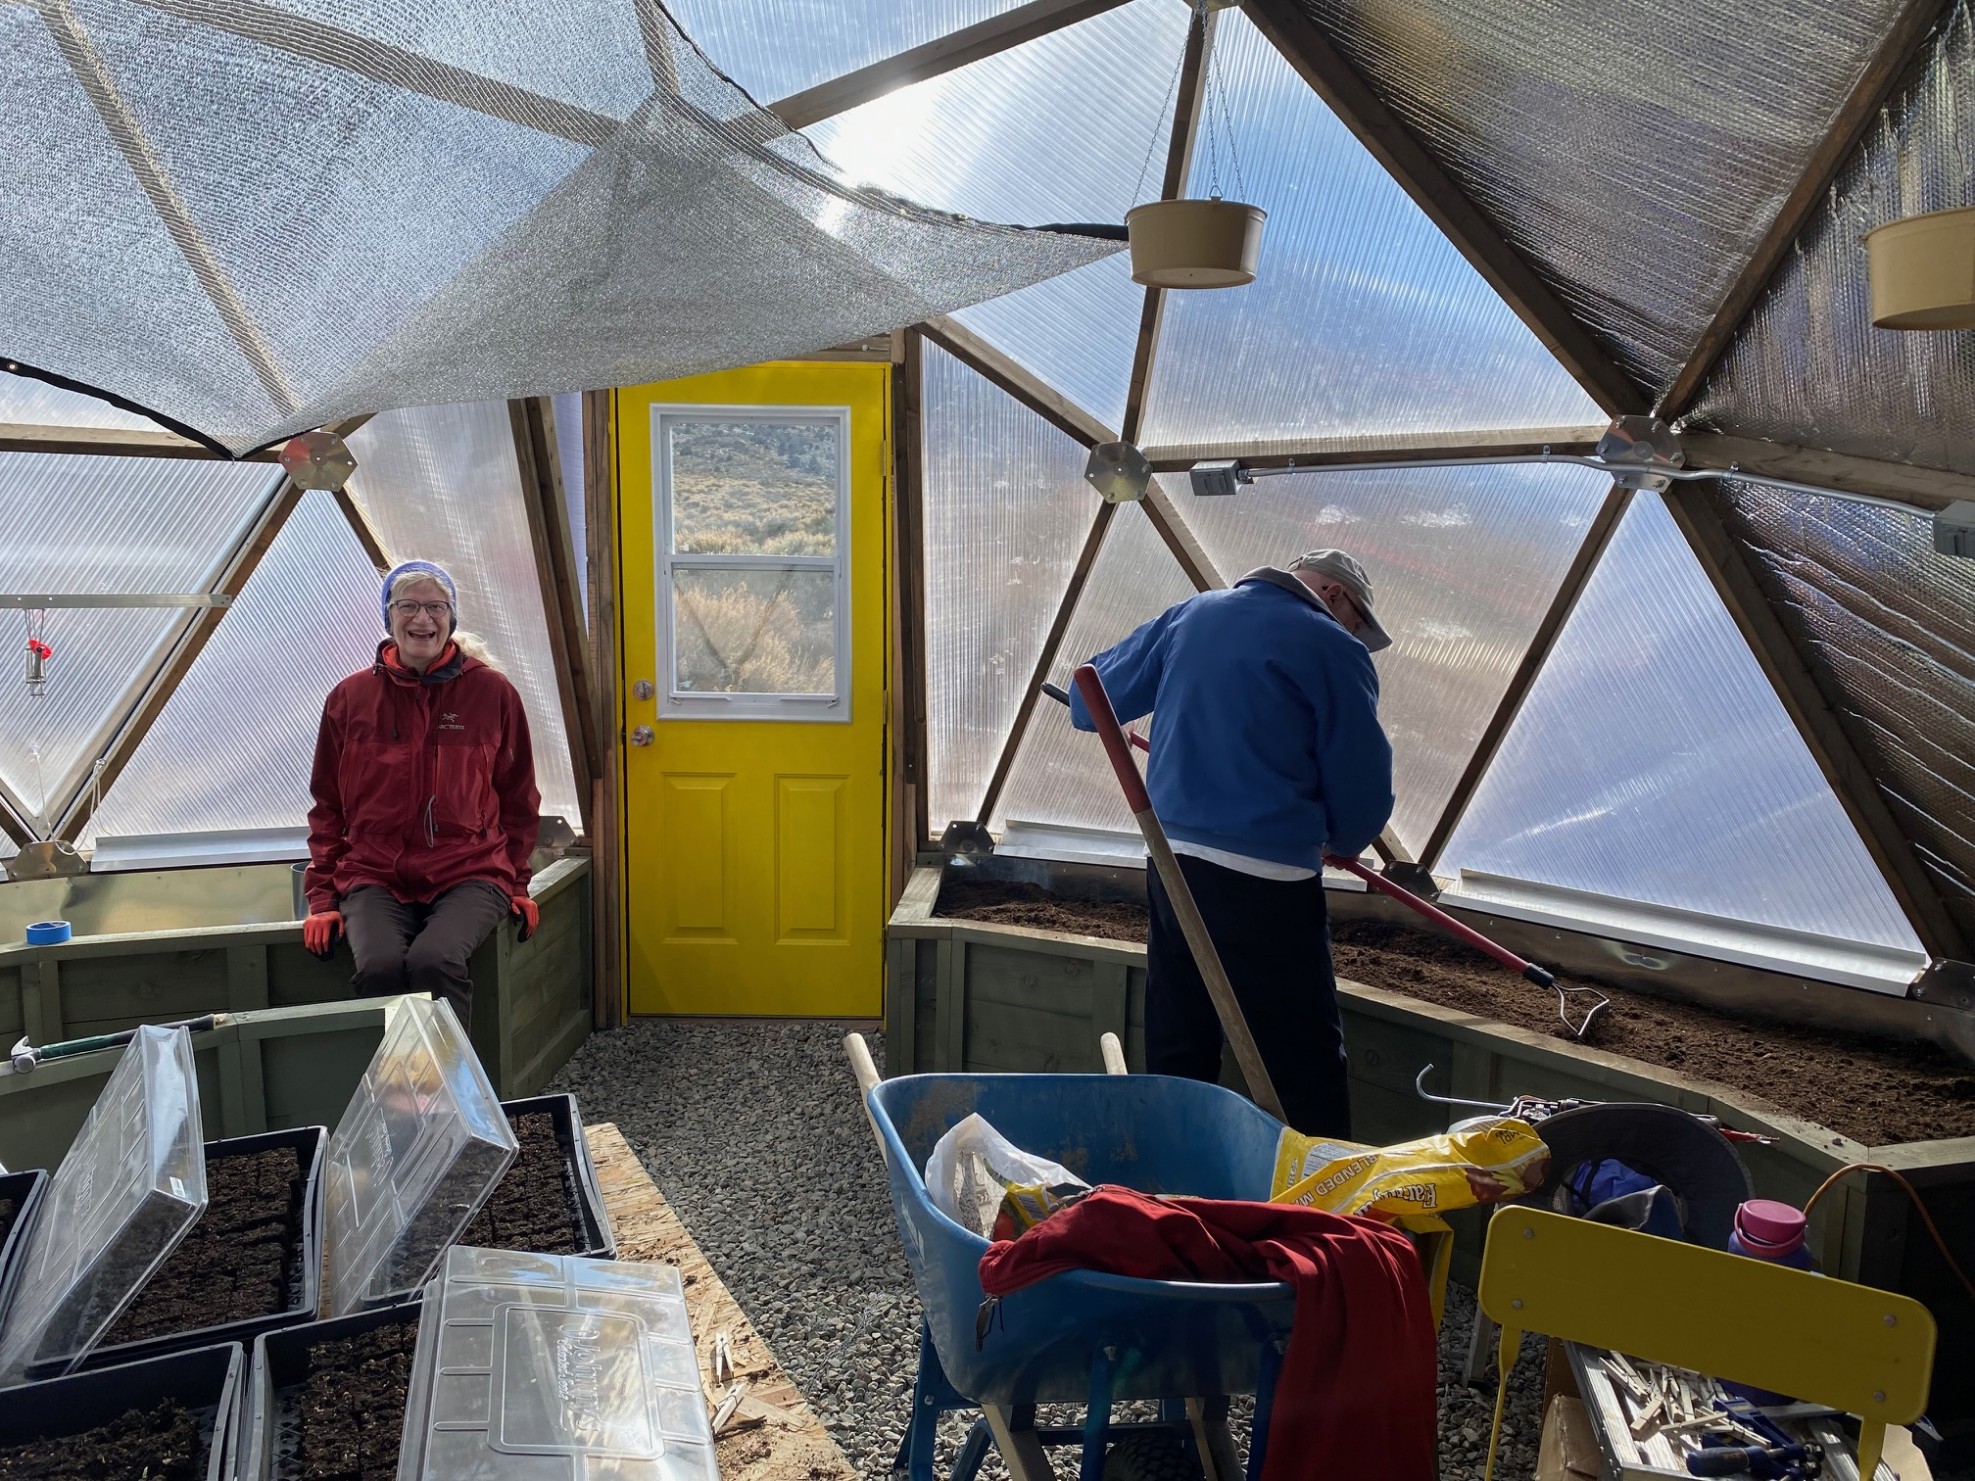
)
(319, 933)
(527, 912)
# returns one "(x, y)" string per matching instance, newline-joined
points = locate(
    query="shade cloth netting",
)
(250, 219)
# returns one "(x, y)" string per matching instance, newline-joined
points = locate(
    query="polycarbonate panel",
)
(102, 526)
(222, 757)
(1652, 761)
(777, 47)
(1363, 319)
(1634, 151)
(1006, 511)
(34, 403)
(1807, 366)
(1890, 623)
(441, 483)
(1463, 564)
(1060, 774)
(1037, 134)
(569, 457)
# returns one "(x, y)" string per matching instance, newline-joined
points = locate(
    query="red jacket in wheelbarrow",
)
(1356, 1396)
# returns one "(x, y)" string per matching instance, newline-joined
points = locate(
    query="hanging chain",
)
(1217, 94)
(1199, 20)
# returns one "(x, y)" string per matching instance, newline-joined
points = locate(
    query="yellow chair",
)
(1826, 1341)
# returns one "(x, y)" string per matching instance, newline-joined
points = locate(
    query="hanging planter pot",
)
(1922, 271)
(1194, 243)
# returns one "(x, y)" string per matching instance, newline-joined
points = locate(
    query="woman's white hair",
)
(471, 644)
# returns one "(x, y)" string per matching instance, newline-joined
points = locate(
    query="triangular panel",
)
(32, 403)
(1363, 321)
(233, 744)
(1652, 761)
(1006, 510)
(1463, 564)
(441, 483)
(103, 526)
(1060, 776)
(1039, 134)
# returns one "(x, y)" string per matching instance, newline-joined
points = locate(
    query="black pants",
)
(1274, 940)
(403, 947)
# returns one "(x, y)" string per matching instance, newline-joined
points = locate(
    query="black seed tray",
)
(23, 1190)
(206, 1380)
(597, 1243)
(270, 1425)
(309, 1143)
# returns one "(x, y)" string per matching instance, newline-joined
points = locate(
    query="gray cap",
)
(1348, 574)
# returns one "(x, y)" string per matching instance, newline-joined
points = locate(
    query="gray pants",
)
(403, 947)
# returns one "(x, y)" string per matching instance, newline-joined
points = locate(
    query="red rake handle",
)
(1137, 799)
(1443, 920)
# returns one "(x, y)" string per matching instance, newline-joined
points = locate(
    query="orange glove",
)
(319, 932)
(527, 912)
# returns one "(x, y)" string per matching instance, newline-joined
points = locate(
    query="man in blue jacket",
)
(1268, 755)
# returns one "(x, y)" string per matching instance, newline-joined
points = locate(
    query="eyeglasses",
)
(430, 609)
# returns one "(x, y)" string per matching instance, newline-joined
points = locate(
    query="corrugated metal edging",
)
(1634, 151)
(1652, 761)
(1807, 367)
(1006, 512)
(1890, 625)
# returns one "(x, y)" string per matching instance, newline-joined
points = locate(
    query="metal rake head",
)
(1590, 1003)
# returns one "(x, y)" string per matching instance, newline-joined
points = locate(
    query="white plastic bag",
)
(974, 1165)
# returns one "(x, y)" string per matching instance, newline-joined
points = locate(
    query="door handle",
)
(642, 736)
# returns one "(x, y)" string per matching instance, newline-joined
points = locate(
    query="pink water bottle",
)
(1768, 1230)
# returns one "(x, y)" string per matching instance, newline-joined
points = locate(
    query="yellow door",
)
(752, 531)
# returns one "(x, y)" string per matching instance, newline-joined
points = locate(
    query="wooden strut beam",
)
(1045, 660)
(1590, 551)
(1695, 509)
(191, 643)
(12, 826)
(991, 365)
(1926, 489)
(110, 442)
(944, 54)
(908, 450)
(607, 835)
(1521, 442)
(1899, 47)
(533, 422)
(1166, 519)
(1359, 107)
(117, 117)
(364, 530)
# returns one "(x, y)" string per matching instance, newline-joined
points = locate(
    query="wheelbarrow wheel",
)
(1151, 1456)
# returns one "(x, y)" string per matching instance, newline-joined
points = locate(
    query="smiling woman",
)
(425, 802)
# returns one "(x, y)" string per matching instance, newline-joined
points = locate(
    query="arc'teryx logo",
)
(449, 721)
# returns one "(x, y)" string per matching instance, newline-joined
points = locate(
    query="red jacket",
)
(421, 782)
(1357, 1393)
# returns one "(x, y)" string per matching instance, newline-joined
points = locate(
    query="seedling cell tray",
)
(20, 1204)
(575, 1187)
(271, 1427)
(206, 1381)
(301, 1263)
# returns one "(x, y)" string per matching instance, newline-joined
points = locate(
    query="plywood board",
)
(788, 1443)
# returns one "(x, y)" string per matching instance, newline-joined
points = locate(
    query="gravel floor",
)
(754, 1134)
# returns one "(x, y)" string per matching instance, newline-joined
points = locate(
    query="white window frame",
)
(677, 704)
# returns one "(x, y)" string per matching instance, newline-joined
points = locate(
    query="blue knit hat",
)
(418, 568)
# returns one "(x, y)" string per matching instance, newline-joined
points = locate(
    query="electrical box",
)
(1215, 480)
(1954, 529)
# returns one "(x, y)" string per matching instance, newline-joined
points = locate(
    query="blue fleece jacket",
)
(1267, 740)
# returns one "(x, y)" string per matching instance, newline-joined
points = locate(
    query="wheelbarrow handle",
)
(1441, 919)
(1192, 924)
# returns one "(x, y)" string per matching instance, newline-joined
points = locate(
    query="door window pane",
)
(754, 631)
(753, 487)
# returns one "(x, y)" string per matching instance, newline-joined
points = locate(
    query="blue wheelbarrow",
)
(1084, 1336)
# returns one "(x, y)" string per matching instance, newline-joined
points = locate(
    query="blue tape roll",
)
(47, 932)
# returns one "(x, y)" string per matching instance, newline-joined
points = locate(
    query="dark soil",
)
(243, 1259)
(350, 1411)
(162, 1445)
(1005, 902)
(1877, 1091)
(535, 1206)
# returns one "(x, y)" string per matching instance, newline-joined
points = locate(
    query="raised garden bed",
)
(326, 1401)
(973, 995)
(250, 1264)
(172, 1418)
(548, 1201)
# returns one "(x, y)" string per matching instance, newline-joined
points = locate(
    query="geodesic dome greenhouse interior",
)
(1743, 701)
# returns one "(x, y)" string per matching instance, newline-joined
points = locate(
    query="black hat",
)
(1666, 1144)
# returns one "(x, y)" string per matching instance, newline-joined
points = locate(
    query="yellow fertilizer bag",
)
(1485, 1160)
